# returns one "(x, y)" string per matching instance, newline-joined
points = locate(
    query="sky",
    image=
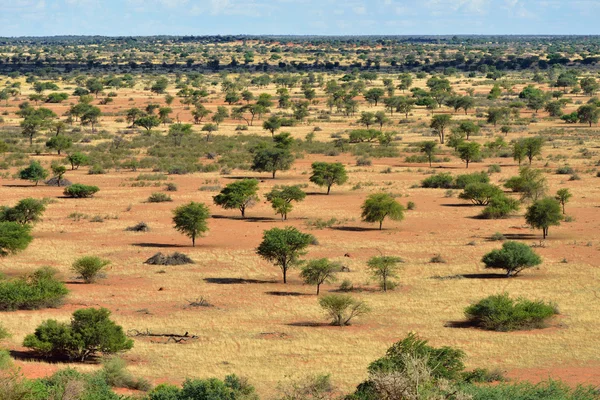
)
(297, 17)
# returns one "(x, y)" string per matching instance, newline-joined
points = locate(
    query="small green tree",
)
(14, 237)
(378, 206)
(34, 172)
(514, 257)
(89, 267)
(480, 193)
(328, 174)
(544, 213)
(90, 332)
(469, 151)
(384, 268)
(59, 143)
(318, 272)
(240, 195)
(272, 159)
(532, 147)
(272, 124)
(563, 196)
(283, 247)
(429, 148)
(147, 122)
(281, 199)
(439, 123)
(190, 219)
(77, 159)
(468, 128)
(342, 308)
(58, 171)
(27, 211)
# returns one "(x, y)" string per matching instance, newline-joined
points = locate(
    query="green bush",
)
(232, 388)
(89, 267)
(494, 168)
(14, 238)
(500, 206)
(342, 308)
(90, 332)
(159, 198)
(476, 177)
(444, 362)
(32, 292)
(78, 190)
(480, 193)
(501, 313)
(114, 371)
(514, 257)
(443, 181)
(550, 390)
(27, 211)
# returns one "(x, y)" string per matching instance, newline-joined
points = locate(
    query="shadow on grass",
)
(316, 193)
(484, 276)
(355, 229)
(286, 294)
(520, 236)
(461, 205)
(33, 356)
(160, 245)
(460, 324)
(235, 281)
(309, 324)
(247, 219)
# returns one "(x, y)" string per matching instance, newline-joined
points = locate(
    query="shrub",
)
(96, 169)
(438, 259)
(27, 211)
(483, 375)
(444, 362)
(477, 177)
(497, 237)
(501, 313)
(89, 267)
(363, 161)
(14, 238)
(493, 169)
(565, 170)
(32, 292)
(342, 308)
(171, 187)
(346, 286)
(443, 181)
(78, 190)
(159, 198)
(410, 205)
(514, 257)
(139, 227)
(114, 372)
(480, 193)
(89, 332)
(500, 206)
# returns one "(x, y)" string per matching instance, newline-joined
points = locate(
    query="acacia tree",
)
(429, 148)
(378, 206)
(563, 196)
(328, 174)
(272, 124)
(468, 151)
(272, 159)
(317, 272)
(283, 247)
(383, 268)
(439, 123)
(14, 237)
(532, 147)
(342, 308)
(544, 213)
(190, 219)
(514, 257)
(26, 211)
(281, 199)
(240, 195)
(34, 172)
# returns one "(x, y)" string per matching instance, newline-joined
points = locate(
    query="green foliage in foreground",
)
(31, 292)
(78, 190)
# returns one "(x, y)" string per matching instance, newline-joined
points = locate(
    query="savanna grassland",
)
(256, 326)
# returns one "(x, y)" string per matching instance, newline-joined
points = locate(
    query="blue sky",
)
(303, 17)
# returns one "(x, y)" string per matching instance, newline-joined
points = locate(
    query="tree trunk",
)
(284, 269)
(274, 171)
(328, 189)
(193, 240)
(318, 288)
(380, 224)
(243, 210)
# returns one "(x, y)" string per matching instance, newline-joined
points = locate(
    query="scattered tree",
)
(378, 206)
(283, 247)
(190, 219)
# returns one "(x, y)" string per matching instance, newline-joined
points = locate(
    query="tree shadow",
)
(461, 205)
(286, 294)
(520, 236)
(21, 186)
(484, 276)
(316, 194)
(159, 245)
(235, 281)
(460, 324)
(247, 219)
(22, 355)
(309, 324)
(355, 229)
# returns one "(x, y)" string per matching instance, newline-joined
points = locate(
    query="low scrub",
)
(78, 190)
(501, 313)
(89, 268)
(32, 292)
(159, 198)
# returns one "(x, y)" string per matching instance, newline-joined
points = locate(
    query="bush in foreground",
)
(90, 332)
(14, 238)
(78, 190)
(232, 388)
(32, 292)
(501, 313)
